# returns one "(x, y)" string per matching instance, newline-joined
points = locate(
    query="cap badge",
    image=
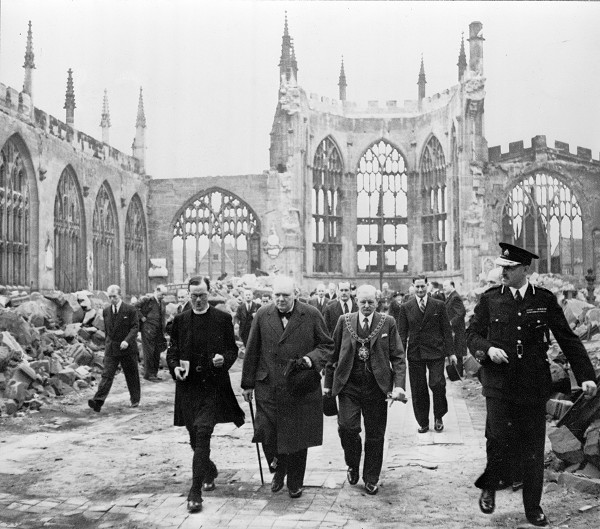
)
(506, 252)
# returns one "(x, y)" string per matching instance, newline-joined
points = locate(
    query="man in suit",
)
(286, 424)
(121, 325)
(320, 302)
(456, 313)
(426, 335)
(153, 331)
(183, 303)
(339, 306)
(245, 314)
(435, 291)
(510, 335)
(367, 364)
(201, 352)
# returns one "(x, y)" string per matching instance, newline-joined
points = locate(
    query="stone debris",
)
(50, 345)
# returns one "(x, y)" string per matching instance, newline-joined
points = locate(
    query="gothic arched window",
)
(542, 215)
(381, 209)
(14, 218)
(327, 173)
(106, 240)
(216, 234)
(136, 254)
(434, 201)
(69, 230)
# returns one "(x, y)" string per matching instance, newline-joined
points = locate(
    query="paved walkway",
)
(239, 501)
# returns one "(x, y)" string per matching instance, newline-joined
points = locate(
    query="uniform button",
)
(518, 313)
(518, 341)
(518, 328)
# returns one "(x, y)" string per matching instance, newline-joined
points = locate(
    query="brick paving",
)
(240, 502)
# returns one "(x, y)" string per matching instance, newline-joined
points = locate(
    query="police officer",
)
(509, 335)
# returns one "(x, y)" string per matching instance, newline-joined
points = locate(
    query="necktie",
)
(179, 309)
(346, 308)
(249, 307)
(422, 305)
(518, 296)
(114, 310)
(366, 325)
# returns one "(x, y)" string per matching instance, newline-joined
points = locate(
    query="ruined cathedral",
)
(368, 193)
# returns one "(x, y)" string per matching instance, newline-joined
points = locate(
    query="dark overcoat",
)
(387, 359)
(292, 423)
(425, 336)
(456, 313)
(119, 327)
(222, 341)
(334, 310)
(522, 331)
(244, 318)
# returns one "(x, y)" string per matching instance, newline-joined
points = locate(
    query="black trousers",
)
(510, 425)
(129, 363)
(369, 401)
(291, 465)
(153, 344)
(200, 420)
(417, 371)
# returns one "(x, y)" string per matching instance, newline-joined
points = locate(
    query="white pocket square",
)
(384, 335)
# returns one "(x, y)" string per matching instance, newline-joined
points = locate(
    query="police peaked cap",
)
(514, 256)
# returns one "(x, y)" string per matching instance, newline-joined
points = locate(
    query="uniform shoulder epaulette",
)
(543, 289)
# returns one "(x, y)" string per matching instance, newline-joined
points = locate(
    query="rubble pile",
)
(50, 345)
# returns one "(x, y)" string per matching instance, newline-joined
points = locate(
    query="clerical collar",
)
(201, 312)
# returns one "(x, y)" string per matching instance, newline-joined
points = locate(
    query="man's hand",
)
(589, 388)
(218, 360)
(452, 359)
(326, 391)
(124, 345)
(307, 361)
(179, 373)
(497, 355)
(398, 394)
(247, 394)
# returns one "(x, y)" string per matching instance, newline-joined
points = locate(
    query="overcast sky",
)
(209, 69)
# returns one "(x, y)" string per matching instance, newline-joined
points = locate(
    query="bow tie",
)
(286, 315)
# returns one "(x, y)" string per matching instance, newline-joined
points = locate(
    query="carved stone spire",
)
(29, 64)
(139, 142)
(105, 120)
(288, 66)
(422, 82)
(462, 59)
(141, 117)
(342, 82)
(70, 99)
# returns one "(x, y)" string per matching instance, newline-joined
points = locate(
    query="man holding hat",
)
(509, 334)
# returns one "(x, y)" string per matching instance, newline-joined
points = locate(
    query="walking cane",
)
(262, 479)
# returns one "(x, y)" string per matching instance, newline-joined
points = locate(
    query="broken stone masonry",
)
(50, 345)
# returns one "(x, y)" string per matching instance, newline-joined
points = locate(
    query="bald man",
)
(286, 424)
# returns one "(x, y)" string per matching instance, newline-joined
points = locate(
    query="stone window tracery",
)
(434, 200)
(216, 234)
(136, 253)
(14, 218)
(69, 230)
(106, 242)
(327, 173)
(381, 205)
(543, 215)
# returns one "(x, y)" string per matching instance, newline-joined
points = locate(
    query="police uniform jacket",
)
(521, 329)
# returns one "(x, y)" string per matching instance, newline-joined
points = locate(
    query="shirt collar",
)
(369, 317)
(424, 299)
(522, 290)
(118, 305)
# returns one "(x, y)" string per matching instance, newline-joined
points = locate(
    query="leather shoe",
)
(352, 475)
(194, 506)
(517, 485)
(438, 425)
(95, 405)
(135, 404)
(487, 501)
(153, 378)
(371, 488)
(277, 482)
(423, 429)
(295, 493)
(539, 519)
